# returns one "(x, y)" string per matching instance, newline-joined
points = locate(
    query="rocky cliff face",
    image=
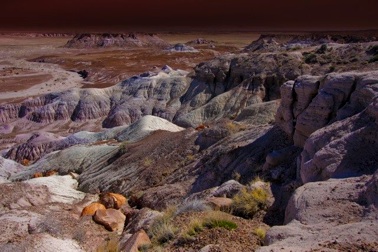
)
(311, 103)
(331, 114)
(86, 40)
(334, 119)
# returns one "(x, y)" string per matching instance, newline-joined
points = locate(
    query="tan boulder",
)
(220, 203)
(119, 199)
(112, 200)
(137, 240)
(92, 208)
(111, 219)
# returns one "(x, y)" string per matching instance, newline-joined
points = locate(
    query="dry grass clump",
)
(162, 229)
(147, 162)
(218, 219)
(110, 245)
(233, 127)
(25, 162)
(211, 219)
(261, 233)
(249, 201)
(193, 206)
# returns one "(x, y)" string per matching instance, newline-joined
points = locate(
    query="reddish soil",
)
(243, 238)
(17, 83)
(107, 67)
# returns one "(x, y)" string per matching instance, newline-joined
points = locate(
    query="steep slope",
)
(334, 118)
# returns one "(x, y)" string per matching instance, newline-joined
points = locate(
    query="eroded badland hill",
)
(182, 142)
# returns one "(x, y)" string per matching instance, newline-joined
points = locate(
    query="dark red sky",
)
(184, 14)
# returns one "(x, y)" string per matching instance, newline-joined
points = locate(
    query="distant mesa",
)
(36, 35)
(201, 41)
(181, 48)
(277, 42)
(87, 40)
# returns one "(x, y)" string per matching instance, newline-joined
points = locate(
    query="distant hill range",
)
(87, 40)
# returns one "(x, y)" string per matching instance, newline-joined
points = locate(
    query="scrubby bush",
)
(373, 50)
(236, 176)
(310, 58)
(373, 59)
(123, 147)
(322, 49)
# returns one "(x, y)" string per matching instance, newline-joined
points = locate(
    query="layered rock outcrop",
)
(311, 103)
(334, 119)
(147, 94)
(42, 143)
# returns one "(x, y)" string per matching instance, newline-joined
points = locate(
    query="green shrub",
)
(227, 224)
(215, 219)
(123, 147)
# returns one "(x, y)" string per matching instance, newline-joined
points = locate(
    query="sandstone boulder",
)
(138, 239)
(61, 188)
(8, 168)
(92, 208)
(111, 219)
(228, 189)
(220, 203)
(142, 220)
(113, 200)
(45, 242)
(20, 195)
